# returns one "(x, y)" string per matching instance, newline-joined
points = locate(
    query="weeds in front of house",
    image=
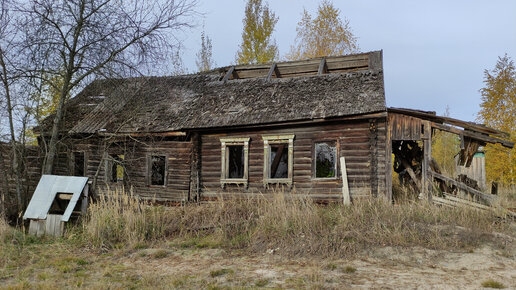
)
(119, 224)
(286, 224)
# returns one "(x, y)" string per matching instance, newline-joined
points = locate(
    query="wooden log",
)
(485, 197)
(345, 187)
(473, 135)
(426, 184)
(271, 71)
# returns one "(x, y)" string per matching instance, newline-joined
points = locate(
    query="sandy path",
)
(385, 268)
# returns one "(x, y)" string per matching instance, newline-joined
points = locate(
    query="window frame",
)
(278, 139)
(108, 169)
(149, 169)
(314, 166)
(224, 160)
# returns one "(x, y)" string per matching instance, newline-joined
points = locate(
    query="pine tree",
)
(257, 44)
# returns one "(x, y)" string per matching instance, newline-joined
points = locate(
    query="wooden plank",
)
(322, 67)
(228, 74)
(473, 135)
(345, 187)
(271, 71)
(426, 184)
(440, 119)
(485, 197)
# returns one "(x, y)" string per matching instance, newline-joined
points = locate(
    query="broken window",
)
(279, 158)
(278, 161)
(234, 160)
(325, 159)
(115, 168)
(158, 169)
(78, 164)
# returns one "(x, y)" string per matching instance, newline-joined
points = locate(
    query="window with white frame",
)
(278, 161)
(325, 160)
(234, 161)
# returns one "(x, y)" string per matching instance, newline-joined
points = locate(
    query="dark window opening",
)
(78, 163)
(235, 161)
(325, 159)
(279, 161)
(61, 202)
(158, 170)
(117, 168)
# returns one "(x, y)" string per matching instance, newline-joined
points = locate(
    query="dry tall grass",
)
(121, 218)
(5, 229)
(292, 226)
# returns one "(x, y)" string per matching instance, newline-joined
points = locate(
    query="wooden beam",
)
(277, 72)
(165, 134)
(410, 172)
(322, 67)
(426, 184)
(346, 199)
(271, 70)
(485, 197)
(276, 161)
(473, 135)
(228, 74)
(388, 160)
(434, 118)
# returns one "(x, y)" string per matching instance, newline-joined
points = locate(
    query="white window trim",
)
(277, 139)
(224, 159)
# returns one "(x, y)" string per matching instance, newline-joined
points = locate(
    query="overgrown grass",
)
(288, 225)
(493, 284)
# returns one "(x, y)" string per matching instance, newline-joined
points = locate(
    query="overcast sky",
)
(434, 52)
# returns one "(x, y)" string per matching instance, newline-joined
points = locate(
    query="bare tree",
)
(204, 59)
(78, 40)
(9, 75)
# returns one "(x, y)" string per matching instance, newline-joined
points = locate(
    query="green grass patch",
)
(160, 254)
(349, 269)
(221, 272)
(493, 284)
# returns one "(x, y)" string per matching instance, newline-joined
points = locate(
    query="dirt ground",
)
(385, 268)
(54, 266)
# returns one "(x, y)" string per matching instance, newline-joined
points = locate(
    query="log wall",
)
(363, 147)
(136, 161)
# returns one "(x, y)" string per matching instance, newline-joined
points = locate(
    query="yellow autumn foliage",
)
(257, 44)
(324, 35)
(498, 110)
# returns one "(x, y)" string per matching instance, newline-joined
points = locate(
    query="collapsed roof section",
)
(480, 133)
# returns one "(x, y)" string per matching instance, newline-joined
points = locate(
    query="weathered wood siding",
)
(30, 177)
(361, 142)
(403, 127)
(136, 154)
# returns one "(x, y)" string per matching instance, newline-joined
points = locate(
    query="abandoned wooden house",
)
(255, 129)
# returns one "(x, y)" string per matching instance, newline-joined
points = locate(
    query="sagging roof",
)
(470, 129)
(212, 100)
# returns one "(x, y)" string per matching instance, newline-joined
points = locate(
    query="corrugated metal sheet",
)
(45, 193)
